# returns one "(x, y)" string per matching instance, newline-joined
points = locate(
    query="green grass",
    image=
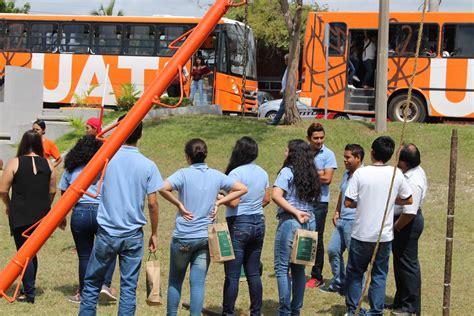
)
(163, 141)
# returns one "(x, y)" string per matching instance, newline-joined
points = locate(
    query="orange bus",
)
(444, 83)
(74, 52)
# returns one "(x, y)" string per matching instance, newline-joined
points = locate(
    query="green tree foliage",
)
(108, 10)
(9, 7)
(268, 24)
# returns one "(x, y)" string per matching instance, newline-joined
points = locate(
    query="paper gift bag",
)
(304, 247)
(220, 245)
(153, 280)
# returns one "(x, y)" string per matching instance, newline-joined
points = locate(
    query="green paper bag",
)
(304, 247)
(220, 245)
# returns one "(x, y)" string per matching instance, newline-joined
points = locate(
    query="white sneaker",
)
(350, 86)
(106, 294)
(356, 78)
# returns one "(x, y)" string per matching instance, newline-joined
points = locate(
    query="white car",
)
(269, 109)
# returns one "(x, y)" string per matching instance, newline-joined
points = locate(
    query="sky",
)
(199, 7)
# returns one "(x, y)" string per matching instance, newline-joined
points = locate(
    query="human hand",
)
(63, 224)
(152, 243)
(302, 217)
(213, 213)
(187, 215)
(335, 218)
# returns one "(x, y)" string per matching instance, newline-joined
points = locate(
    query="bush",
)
(128, 96)
(81, 100)
(173, 101)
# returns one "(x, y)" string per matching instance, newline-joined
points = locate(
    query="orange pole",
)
(57, 213)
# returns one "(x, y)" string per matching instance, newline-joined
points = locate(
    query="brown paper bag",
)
(153, 280)
(220, 244)
(304, 247)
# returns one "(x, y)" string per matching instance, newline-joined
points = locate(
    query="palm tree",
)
(107, 11)
(9, 7)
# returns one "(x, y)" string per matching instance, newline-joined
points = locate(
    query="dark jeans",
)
(369, 66)
(106, 248)
(406, 266)
(351, 73)
(84, 228)
(29, 278)
(174, 90)
(247, 233)
(320, 211)
(281, 111)
(360, 253)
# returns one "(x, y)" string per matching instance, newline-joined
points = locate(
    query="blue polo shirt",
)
(284, 181)
(325, 159)
(129, 178)
(256, 181)
(198, 186)
(346, 212)
(69, 177)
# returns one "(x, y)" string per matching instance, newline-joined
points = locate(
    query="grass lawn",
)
(163, 142)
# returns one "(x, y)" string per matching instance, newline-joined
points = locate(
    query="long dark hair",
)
(196, 149)
(81, 153)
(305, 176)
(245, 151)
(30, 142)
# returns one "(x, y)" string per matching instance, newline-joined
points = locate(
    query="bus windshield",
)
(236, 33)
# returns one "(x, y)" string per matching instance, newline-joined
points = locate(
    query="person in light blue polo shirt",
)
(84, 215)
(295, 191)
(129, 178)
(246, 226)
(343, 219)
(198, 187)
(325, 161)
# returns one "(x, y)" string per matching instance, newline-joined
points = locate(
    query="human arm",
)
(266, 198)
(6, 183)
(349, 203)
(337, 211)
(325, 175)
(403, 220)
(58, 161)
(153, 210)
(52, 182)
(166, 192)
(278, 198)
(236, 191)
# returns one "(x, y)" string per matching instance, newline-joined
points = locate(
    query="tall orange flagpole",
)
(59, 211)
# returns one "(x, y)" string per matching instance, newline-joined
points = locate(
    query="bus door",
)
(208, 52)
(361, 75)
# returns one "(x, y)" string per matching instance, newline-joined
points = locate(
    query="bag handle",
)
(151, 253)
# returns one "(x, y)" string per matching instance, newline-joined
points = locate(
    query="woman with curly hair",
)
(83, 218)
(295, 191)
(246, 225)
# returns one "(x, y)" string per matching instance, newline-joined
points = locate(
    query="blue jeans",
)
(182, 253)
(320, 211)
(281, 110)
(247, 233)
(359, 257)
(84, 228)
(29, 278)
(197, 85)
(290, 290)
(106, 248)
(351, 73)
(339, 242)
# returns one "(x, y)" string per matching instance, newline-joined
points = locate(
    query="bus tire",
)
(416, 111)
(341, 116)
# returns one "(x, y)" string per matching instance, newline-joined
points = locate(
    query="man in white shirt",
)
(368, 59)
(368, 191)
(408, 227)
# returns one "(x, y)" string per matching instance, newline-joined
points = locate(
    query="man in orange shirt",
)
(49, 147)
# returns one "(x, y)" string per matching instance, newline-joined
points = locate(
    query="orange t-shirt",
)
(50, 149)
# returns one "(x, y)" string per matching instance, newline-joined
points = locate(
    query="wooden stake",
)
(448, 257)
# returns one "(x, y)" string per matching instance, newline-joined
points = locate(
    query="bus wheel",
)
(416, 111)
(341, 116)
(271, 115)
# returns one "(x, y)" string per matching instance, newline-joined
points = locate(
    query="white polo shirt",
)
(369, 187)
(416, 178)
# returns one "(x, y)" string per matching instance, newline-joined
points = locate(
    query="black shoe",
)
(25, 299)
(388, 306)
(331, 289)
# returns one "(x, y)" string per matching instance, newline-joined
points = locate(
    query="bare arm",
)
(350, 203)
(153, 210)
(52, 182)
(166, 192)
(337, 211)
(58, 161)
(403, 220)
(266, 198)
(277, 197)
(407, 201)
(237, 190)
(7, 180)
(325, 175)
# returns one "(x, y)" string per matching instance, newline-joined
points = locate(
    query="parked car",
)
(269, 109)
(263, 97)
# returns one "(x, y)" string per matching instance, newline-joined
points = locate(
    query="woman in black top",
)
(33, 182)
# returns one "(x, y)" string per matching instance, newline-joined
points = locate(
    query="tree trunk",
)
(292, 116)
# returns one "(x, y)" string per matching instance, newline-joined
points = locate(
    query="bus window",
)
(108, 39)
(458, 40)
(76, 38)
(222, 62)
(167, 35)
(235, 33)
(141, 40)
(2, 35)
(337, 39)
(15, 39)
(43, 37)
(403, 38)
